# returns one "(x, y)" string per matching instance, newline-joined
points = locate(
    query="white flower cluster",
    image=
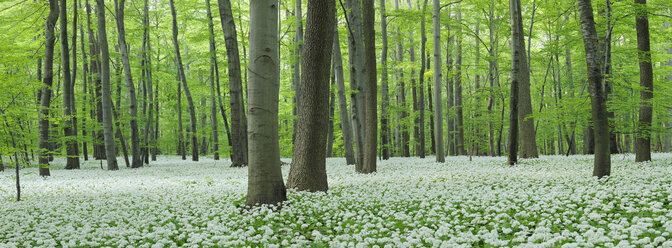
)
(410, 202)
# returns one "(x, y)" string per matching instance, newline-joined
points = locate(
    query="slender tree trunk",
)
(73, 80)
(96, 95)
(187, 93)
(180, 130)
(204, 119)
(298, 41)
(401, 97)
(265, 184)
(108, 129)
(602, 166)
(342, 104)
(150, 142)
(213, 104)
(438, 113)
(128, 77)
(72, 161)
(643, 145)
(492, 74)
(332, 103)
(86, 79)
(518, 69)
(45, 99)
(421, 82)
(458, 92)
(239, 156)
(384, 118)
(371, 143)
(308, 171)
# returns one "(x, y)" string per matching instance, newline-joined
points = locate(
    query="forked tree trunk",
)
(602, 165)
(265, 184)
(308, 170)
(108, 129)
(239, 149)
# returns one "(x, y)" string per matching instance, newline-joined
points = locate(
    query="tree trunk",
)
(450, 121)
(528, 143)
(108, 129)
(421, 92)
(45, 96)
(401, 100)
(492, 74)
(371, 143)
(458, 92)
(357, 79)
(239, 156)
(643, 145)
(438, 113)
(68, 112)
(384, 118)
(296, 77)
(265, 185)
(518, 70)
(602, 165)
(86, 79)
(342, 104)
(128, 76)
(213, 104)
(332, 103)
(96, 95)
(308, 170)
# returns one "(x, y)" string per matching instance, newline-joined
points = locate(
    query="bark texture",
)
(643, 152)
(342, 101)
(108, 129)
(45, 95)
(371, 133)
(438, 110)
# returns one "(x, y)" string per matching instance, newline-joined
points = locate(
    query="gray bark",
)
(357, 79)
(460, 146)
(265, 184)
(643, 143)
(239, 156)
(108, 129)
(384, 119)
(342, 102)
(438, 110)
(213, 104)
(45, 96)
(371, 123)
(71, 147)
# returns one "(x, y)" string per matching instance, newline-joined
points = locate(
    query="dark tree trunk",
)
(357, 79)
(528, 143)
(332, 103)
(450, 102)
(296, 76)
(458, 92)
(643, 145)
(371, 123)
(602, 166)
(71, 146)
(213, 104)
(45, 99)
(308, 170)
(421, 91)
(438, 113)
(384, 118)
(518, 69)
(96, 95)
(239, 147)
(86, 79)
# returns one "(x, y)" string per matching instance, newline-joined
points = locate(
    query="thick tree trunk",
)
(308, 170)
(72, 161)
(213, 104)
(239, 156)
(643, 145)
(187, 93)
(108, 129)
(518, 71)
(128, 77)
(342, 104)
(45, 96)
(265, 185)
(384, 118)
(602, 165)
(438, 113)
(371, 143)
(528, 144)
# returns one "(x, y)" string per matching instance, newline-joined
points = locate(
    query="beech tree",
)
(108, 129)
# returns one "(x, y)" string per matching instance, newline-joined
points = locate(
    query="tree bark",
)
(371, 143)
(108, 129)
(239, 156)
(96, 95)
(296, 77)
(602, 164)
(401, 100)
(528, 143)
(45, 96)
(438, 110)
(643, 152)
(518, 70)
(72, 161)
(450, 102)
(128, 77)
(86, 79)
(384, 118)
(458, 92)
(265, 184)
(357, 79)
(342, 102)
(421, 92)
(213, 104)
(308, 170)
(332, 103)
(187, 93)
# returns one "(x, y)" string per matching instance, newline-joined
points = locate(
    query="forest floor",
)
(548, 202)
